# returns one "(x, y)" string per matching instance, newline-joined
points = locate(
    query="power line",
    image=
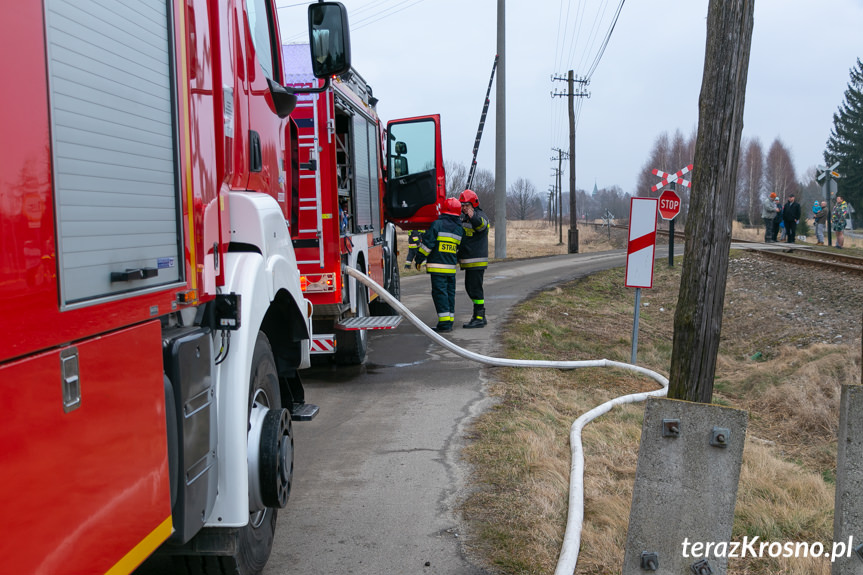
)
(605, 42)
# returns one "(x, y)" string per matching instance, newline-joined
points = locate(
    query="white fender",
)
(256, 220)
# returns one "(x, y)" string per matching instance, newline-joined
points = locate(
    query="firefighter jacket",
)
(414, 239)
(473, 252)
(439, 245)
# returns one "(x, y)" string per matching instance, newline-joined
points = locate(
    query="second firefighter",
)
(439, 249)
(473, 255)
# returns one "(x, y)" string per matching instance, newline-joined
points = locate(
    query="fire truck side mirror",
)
(329, 38)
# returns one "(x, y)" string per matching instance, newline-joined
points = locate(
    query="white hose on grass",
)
(572, 537)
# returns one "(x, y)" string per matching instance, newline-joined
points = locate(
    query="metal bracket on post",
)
(649, 560)
(701, 567)
(670, 428)
(720, 437)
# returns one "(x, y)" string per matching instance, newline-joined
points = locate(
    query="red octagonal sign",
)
(669, 205)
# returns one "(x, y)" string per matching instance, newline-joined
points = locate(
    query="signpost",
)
(669, 201)
(827, 177)
(639, 255)
(669, 207)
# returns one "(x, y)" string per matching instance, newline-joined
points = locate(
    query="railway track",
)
(795, 253)
(813, 257)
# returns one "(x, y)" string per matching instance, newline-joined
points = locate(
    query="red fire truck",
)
(357, 183)
(153, 318)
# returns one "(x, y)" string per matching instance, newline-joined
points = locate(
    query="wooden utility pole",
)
(560, 155)
(571, 94)
(698, 319)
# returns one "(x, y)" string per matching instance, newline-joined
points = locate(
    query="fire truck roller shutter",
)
(113, 132)
(366, 173)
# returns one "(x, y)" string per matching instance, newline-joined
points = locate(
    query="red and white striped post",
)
(639, 255)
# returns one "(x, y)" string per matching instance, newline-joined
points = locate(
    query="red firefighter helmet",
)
(451, 206)
(469, 197)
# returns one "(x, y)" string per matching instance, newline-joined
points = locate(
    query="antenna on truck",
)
(481, 126)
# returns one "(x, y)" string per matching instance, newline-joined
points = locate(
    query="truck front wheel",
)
(273, 427)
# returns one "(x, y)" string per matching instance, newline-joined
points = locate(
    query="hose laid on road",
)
(572, 537)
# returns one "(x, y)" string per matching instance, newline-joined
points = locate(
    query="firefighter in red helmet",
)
(473, 255)
(439, 249)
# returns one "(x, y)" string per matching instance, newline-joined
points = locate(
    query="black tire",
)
(351, 344)
(256, 538)
(379, 307)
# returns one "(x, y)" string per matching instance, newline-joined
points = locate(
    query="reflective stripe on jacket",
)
(414, 239)
(439, 245)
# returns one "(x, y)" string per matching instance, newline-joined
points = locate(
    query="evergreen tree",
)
(846, 142)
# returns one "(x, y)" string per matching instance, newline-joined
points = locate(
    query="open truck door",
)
(416, 182)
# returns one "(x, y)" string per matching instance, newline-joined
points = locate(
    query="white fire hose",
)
(572, 537)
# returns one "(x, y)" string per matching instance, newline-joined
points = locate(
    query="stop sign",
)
(669, 205)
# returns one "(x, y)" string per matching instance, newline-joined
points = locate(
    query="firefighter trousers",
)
(473, 286)
(443, 296)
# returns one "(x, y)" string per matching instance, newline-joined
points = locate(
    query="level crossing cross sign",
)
(669, 205)
(675, 178)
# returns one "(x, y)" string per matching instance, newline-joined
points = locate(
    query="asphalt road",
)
(378, 474)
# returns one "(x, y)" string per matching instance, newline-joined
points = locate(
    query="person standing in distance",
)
(768, 214)
(839, 219)
(413, 244)
(791, 215)
(473, 255)
(439, 249)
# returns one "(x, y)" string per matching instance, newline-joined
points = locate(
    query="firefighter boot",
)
(478, 319)
(443, 326)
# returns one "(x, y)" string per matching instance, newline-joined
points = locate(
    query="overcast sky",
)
(435, 56)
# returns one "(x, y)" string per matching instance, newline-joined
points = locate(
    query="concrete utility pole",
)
(500, 138)
(698, 318)
(572, 94)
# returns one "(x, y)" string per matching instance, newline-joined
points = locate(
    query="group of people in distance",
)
(458, 237)
(778, 218)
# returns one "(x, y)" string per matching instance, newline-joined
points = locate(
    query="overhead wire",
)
(569, 44)
(382, 11)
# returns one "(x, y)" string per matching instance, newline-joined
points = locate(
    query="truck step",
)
(373, 322)
(304, 412)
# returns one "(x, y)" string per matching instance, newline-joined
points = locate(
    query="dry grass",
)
(520, 448)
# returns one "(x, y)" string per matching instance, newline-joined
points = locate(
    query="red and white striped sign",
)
(323, 344)
(676, 177)
(642, 242)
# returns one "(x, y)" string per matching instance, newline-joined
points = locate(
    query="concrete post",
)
(848, 516)
(685, 488)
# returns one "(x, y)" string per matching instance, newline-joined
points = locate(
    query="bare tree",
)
(456, 176)
(668, 155)
(698, 318)
(779, 177)
(483, 185)
(752, 176)
(659, 159)
(521, 200)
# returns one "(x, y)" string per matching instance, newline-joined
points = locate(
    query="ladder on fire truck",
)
(481, 126)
